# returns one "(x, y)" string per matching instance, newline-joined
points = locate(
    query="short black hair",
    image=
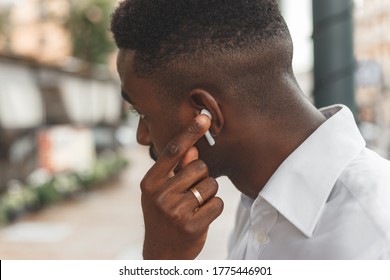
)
(171, 32)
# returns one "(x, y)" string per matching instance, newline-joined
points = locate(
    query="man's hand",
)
(175, 224)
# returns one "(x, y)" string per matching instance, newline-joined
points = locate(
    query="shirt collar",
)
(301, 185)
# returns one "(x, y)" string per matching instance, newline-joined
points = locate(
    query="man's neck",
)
(266, 149)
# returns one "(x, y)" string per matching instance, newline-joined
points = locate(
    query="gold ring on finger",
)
(197, 195)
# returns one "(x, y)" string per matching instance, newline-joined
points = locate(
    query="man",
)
(310, 189)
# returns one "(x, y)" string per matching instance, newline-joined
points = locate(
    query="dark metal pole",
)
(334, 61)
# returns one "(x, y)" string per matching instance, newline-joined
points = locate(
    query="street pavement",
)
(106, 223)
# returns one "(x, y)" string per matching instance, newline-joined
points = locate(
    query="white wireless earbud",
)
(208, 136)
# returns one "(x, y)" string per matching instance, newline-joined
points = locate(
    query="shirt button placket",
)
(263, 218)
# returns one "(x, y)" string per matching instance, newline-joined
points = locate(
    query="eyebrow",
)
(126, 97)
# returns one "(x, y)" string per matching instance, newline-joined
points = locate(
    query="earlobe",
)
(203, 99)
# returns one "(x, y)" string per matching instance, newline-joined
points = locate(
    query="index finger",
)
(178, 146)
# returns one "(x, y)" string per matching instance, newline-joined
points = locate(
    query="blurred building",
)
(65, 108)
(36, 29)
(372, 51)
(52, 31)
(53, 104)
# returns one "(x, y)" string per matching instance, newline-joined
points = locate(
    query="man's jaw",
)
(152, 153)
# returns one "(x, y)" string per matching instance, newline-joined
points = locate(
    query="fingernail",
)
(202, 119)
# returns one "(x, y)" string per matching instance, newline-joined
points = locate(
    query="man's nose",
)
(143, 136)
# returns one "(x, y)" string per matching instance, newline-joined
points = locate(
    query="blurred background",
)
(69, 165)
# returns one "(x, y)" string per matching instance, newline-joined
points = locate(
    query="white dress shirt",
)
(330, 199)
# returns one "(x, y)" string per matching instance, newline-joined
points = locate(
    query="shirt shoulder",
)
(367, 181)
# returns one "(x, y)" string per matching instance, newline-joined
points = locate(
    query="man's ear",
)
(202, 99)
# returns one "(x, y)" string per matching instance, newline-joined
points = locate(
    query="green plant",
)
(4, 24)
(3, 216)
(44, 189)
(16, 200)
(88, 23)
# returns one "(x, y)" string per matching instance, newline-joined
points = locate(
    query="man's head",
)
(179, 56)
